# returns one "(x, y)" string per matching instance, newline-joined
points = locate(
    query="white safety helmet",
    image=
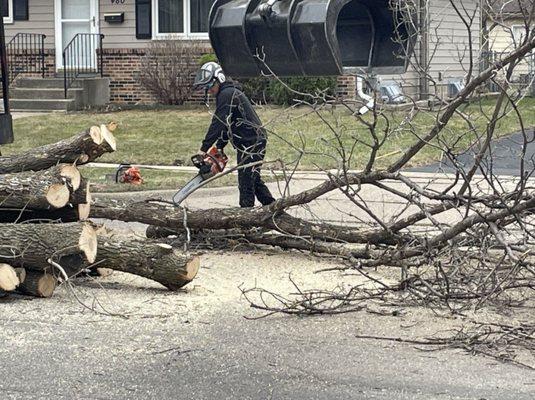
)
(208, 75)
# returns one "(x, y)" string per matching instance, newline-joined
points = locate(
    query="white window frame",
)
(186, 35)
(9, 18)
(517, 39)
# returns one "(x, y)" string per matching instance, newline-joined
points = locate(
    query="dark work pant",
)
(249, 180)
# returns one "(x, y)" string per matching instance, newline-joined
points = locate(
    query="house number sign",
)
(118, 1)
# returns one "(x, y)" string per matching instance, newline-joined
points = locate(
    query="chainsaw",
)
(209, 165)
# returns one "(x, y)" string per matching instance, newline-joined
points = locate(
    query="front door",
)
(73, 17)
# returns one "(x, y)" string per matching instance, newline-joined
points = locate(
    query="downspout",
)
(424, 49)
(369, 99)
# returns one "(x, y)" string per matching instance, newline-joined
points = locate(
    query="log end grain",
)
(108, 137)
(72, 174)
(58, 195)
(95, 134)
(8, 278)
(83, 211)
(88, 243)
(180, 276)
(192, 269)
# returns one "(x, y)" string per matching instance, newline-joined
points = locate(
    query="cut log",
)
(152, 260)
(40, 190)
(8, 278)
(38, 284)
(32, 245)
(80, 149)
(156, 261)
(65, 214)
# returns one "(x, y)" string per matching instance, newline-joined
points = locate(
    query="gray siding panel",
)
(41, 21)
(120, 35)
(449, 38)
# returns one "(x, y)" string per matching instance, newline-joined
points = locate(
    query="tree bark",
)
(66, 214)
(149, 259)
(32, 245)
(40, 190)
(174, 218)
(8, 278)
(80, 149)
(38, 284)
(224, 239)
(152, 260)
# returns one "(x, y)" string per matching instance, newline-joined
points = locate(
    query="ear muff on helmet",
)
(219, 75)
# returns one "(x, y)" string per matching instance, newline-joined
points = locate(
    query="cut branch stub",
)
(38, 284)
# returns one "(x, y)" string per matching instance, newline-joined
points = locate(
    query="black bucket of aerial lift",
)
(308, 37)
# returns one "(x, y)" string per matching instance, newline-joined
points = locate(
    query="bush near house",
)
(169, 68)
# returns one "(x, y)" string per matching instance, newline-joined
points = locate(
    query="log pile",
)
(45, 234)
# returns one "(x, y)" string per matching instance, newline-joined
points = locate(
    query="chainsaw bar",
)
(181, 195)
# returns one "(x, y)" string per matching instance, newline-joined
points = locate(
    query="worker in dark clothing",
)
(236, 121)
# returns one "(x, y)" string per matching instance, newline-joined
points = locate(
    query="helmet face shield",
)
(207, 76)
(203, 78)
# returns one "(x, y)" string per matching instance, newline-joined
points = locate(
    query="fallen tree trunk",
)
(80, 149)
(38, 284)
(33, 245)
(175, 218)
(218, 239)
(39, 190)
(9, 279)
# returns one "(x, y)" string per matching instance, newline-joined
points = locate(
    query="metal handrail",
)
(26, 54)
(83, 55)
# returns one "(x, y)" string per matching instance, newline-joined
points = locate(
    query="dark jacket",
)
(235, 121)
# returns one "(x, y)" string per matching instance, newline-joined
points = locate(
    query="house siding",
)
(500, 40)
(120, 36)
(449, 40)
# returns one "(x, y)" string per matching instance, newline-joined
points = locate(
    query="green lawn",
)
(162, 136)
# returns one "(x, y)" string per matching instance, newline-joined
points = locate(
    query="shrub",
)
(257, 89)
(208, 57)
(169, 67)
(281, 95)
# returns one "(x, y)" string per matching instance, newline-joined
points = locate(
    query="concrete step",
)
(43, 104)
(42, 83)
(43, 93)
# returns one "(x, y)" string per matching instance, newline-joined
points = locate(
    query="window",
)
(182, 18)
(7, 11)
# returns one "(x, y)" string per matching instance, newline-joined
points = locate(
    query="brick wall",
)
(346, 87)
(123, 67)
(21, 61)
